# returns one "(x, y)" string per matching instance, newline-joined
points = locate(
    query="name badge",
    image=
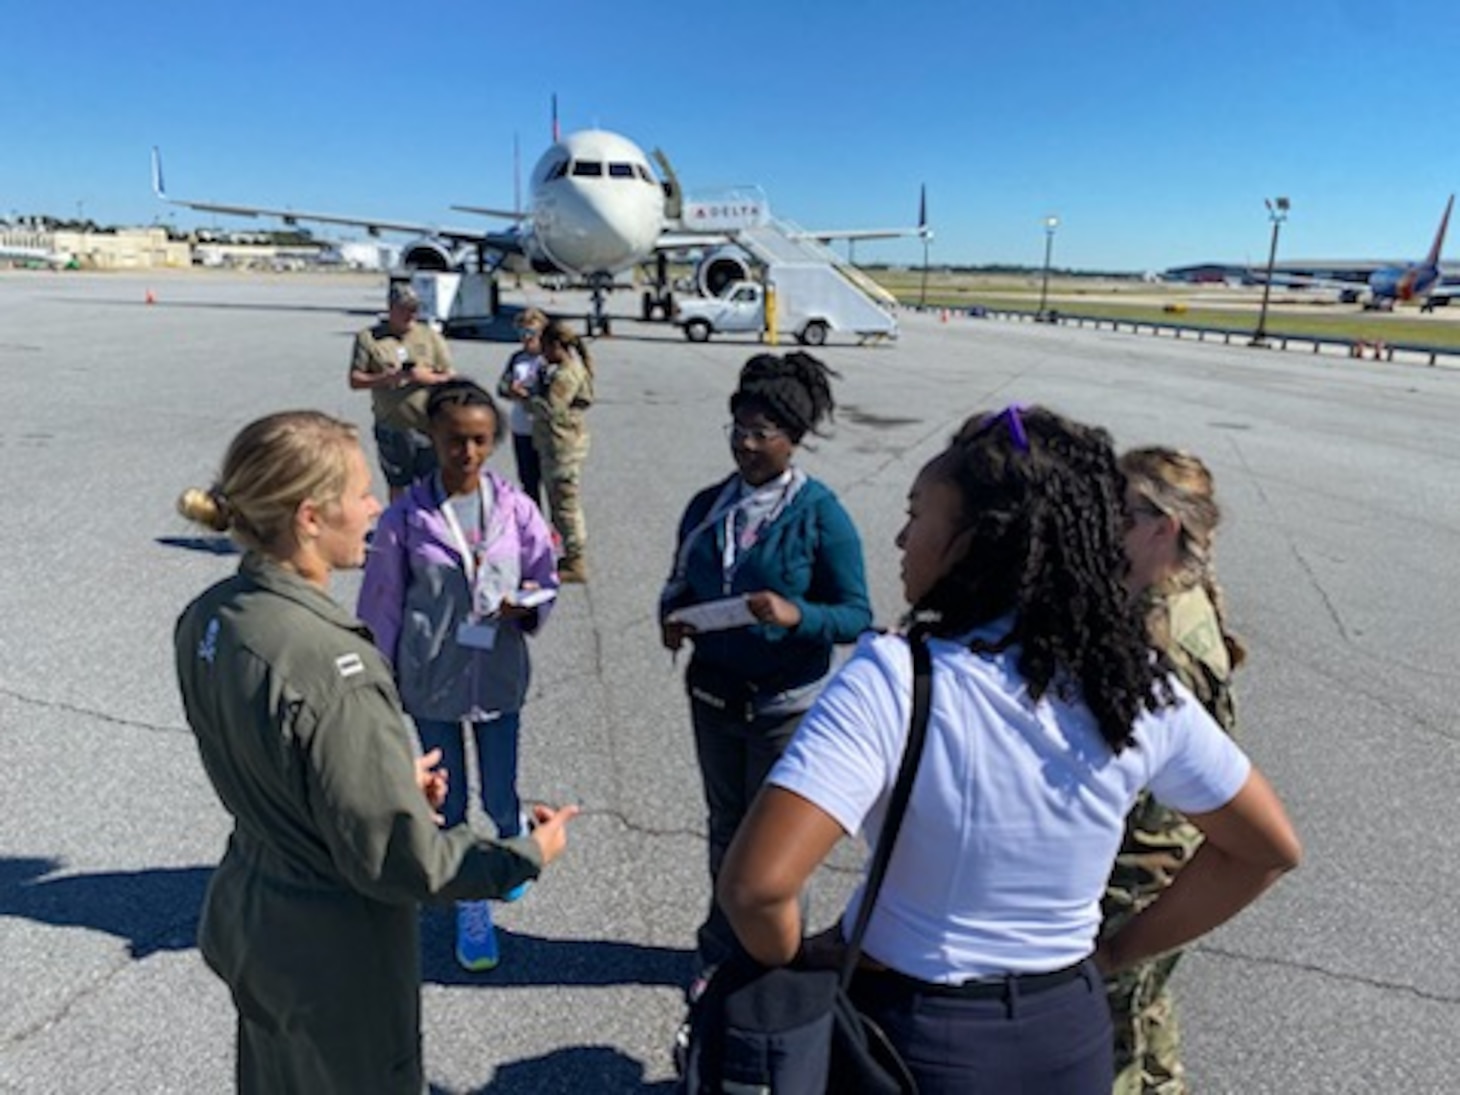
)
(477, 634)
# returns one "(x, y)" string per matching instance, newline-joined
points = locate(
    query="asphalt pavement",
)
(1340, 556)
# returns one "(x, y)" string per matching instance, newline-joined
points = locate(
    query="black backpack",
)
(789, 1031)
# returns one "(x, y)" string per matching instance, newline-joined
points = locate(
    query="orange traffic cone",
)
(151, 297)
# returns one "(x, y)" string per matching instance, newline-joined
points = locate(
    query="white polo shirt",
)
(1016, 813)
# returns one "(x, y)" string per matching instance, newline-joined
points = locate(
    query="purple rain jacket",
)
(416, 593)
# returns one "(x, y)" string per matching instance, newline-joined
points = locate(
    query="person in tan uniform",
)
(312, 916)
(397, 361)
(1173, 517)
(560, 434)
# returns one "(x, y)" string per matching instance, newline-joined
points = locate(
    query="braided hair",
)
(793, 391)
(1043, 515)
(461, 392)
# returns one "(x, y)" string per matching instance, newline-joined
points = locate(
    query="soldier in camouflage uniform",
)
(1173, 516)
(560, 433)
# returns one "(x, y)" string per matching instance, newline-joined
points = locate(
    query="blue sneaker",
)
(476, 938)
(516, 892)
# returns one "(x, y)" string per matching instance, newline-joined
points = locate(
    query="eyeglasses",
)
(759, 434)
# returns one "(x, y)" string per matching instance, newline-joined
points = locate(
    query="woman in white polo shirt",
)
(1049, 715)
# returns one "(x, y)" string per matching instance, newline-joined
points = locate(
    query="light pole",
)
(1277, 212)
(1050, 224)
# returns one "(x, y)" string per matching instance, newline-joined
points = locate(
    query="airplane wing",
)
(685, 241)
(1340, 274)
(485, 211)
(827, 235)
(681, 239)
(507, 242)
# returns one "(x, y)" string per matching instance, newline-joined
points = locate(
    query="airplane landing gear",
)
(661, 304)
(597, 321)
(659, 298)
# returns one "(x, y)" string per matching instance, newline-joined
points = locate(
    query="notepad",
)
(531, 598)
(715, 615)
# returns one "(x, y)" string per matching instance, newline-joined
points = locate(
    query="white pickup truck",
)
(811, 302)
(740, 308)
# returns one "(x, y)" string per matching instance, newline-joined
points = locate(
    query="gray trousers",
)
(735, 758)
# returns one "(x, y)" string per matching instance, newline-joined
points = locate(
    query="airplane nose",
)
(597, 227)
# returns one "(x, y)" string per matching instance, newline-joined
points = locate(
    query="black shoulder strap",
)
(912, 754)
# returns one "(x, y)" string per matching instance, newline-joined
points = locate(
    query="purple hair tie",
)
(1012, 419)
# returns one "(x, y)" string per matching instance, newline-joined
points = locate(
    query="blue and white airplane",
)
(1377, 286)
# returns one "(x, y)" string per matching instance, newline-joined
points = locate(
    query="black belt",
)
(984, 988)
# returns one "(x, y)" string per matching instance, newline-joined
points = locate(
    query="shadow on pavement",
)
(213, 545)
(529, 960)
(599, 1069)
(154, 910)
(157, 910)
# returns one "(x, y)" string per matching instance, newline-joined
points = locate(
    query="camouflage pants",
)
(1147, 1037)
(1157, 843)
(566, 505)
(562, 447)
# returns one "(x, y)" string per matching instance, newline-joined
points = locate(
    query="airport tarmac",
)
(1340, 557)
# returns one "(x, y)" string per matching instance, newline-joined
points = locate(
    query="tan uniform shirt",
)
(379, 350)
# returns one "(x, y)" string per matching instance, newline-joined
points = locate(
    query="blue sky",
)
(1152, 129)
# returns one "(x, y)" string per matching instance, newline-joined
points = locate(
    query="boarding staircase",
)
(860, 304)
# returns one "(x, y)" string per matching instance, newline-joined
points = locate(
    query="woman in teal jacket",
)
(782, 543)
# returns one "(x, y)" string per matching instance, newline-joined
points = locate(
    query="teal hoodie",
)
(811, 555)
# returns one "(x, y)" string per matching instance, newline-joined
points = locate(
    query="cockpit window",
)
(621, 171)
(643, 173)
(558, 170)
(588, 169)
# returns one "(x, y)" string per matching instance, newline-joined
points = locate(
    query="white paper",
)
(715, 615)
(531, 598)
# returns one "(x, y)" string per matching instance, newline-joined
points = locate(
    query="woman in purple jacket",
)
(450, 584)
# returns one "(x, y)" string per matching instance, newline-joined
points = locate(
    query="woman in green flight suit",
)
(311, 918)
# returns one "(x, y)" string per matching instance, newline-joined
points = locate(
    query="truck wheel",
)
(648, 309)
(697, 330)
(814, 333)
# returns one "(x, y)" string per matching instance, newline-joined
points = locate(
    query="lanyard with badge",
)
(478, 630)
(738, 545)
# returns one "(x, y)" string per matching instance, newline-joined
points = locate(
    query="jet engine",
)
(721, 267)
(435, 255)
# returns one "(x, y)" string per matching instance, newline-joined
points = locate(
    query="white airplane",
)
(35, 256)
(595, 209)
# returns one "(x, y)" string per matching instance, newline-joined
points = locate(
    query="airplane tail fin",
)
(1433, 258)
(157, 187)
(923, 211)
(557, 133)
